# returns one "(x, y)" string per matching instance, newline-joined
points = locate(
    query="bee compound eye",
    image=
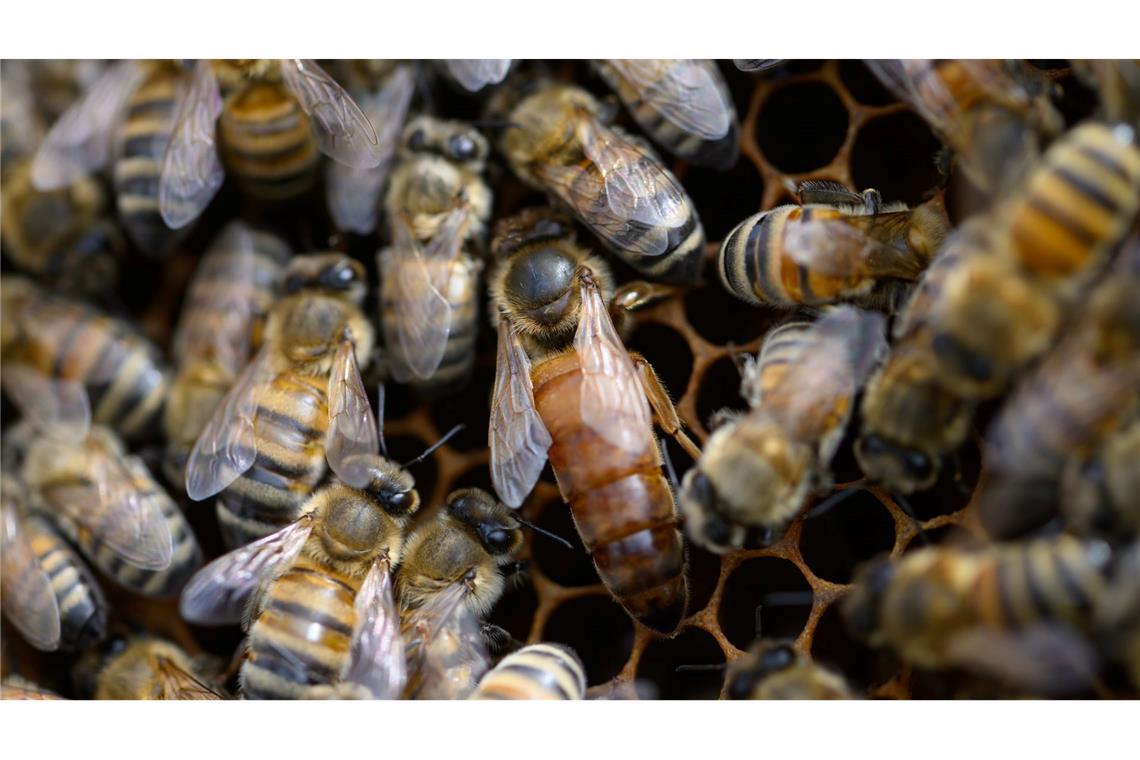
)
(416, 140)
(461, 147)
(777, 658)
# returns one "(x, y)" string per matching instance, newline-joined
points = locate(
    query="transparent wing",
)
(227, 446)
(612, 401)
(689, 93)
(827, 192)
(343, 132)
(28, 600)
(756, 64)
(476, 73)
(931, 100)
(353, 194)
(219, 592)
(191, 169)
(352, 428)
(55, 406)
(445, 646)
(376, 659)
(830, 247)
(176, 683)
(79, 143)
(518, 438)
(1046, 659)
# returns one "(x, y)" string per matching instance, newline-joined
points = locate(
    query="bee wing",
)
(518, 438)
(80, 140)
(57, 406)
(352, 428)
(476, 73)
(689, 93)
(191, 169)
(376, 659)
(227, 446)
(344, 133)
(353, 193)
(837, 248)
(28, 599)
(1050, 659)
(176, 683)
(756, 64)
(932, 101)
(219, 592)
(827, 192)
(445, 643)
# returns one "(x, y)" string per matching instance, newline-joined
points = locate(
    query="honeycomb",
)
(807, 119)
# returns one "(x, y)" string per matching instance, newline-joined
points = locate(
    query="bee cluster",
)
(808, 577)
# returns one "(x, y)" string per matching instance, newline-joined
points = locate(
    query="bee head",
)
(764, 660)
(454, 141)
(902, 468)
(326, 272)
(704, 523)
(862, 607)
(491, 523)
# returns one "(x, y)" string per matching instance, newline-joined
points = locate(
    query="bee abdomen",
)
(82, 606)
(749, 259)
(1050, 580)
(267, 142)
(539, 671)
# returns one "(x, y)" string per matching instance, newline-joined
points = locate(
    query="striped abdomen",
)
(463, 294)
(539, 671)
(121, 370)
(82, 607)
(299, 643)
(290, 426)
(1078, 204)
(142, 140)
(266, 142)
(622, 505)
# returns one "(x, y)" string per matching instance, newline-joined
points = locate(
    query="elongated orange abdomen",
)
(621, 503)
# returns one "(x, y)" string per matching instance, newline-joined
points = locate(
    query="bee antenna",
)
(700, 668)
(908, 510)
(831, 502)
(544, 532)
(428, 451)
(668, 465)
(785, 599)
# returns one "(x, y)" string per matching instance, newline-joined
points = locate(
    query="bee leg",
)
(663, 408)
(499, 640)
(636, 295)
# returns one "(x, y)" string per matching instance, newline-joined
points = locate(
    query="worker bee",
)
(777, 670)
(316, 596)
(221, 323)
(1018, 611)
(612, 183)
(48, 593)
(539, 671)
(299, 403)
(473, 74)
(452, 575)
(683, 104)
(144, 668)
(1099, 490)
(67, 365)
(15, 687)
(994, 114)
(437, 205)
(587, 400)
(837, 246)
(757, 471)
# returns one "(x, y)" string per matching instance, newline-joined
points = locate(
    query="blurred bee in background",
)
(57, 83)
(146, 668)
(837, 246)
(538, 671)
(757, 470)
(1117, 85)
(1019, 611)
(21, 122)
(15, 687)
(996, 115)
(220, 326)
(683, 104)
(384, 91)
(298, 404)
(612, 182)
(452, 575)
(1100, 491)
(756, 64)
(67, 365)
(316, 596)
(777, 670)
(473, 74)
(1118, 614)
(587, 401)
(437, 205)
(48, 593)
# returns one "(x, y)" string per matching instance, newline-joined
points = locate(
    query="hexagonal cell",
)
(722, 319)
(566, 567)
(719, 389)
(598, 629)
(895, 154)
(863, 85)
(472, 407)
(954, 487)
(515, 611)
(856, 528)
(667, 352)
(475, 477)
(703, 574)
(720, 211)
(802, 127)
(776, 588)
(863, 666)
(691, 647)
(399, 401)
(946, 535)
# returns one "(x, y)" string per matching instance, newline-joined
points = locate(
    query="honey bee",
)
(837, 246)
(299, 403)
(539, 671)
(473, 74)
(612, 183)
(145, 668)
(757, 471)
(438, 205)
(316, 596)
(1099, 490)
(1015, 610)
(776, 670)
(994, 114)
(48, 593)
(683, 104)
(452, 575)
(14, 687)
(67, 365)
(587, 400)
(220, 326)
(21, 122)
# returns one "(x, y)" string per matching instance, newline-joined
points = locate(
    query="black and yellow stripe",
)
(82, 606)
(1056, 579)
(539, 671)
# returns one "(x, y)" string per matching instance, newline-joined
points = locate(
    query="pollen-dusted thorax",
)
(454, 141)
(544, 127)
(354, 528)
